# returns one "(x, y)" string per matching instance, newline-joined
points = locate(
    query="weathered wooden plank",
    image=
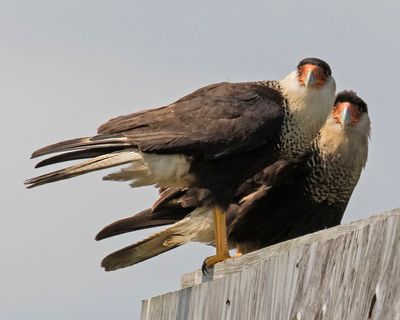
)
(347, 272)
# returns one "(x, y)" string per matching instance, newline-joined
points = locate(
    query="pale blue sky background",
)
(68, 66)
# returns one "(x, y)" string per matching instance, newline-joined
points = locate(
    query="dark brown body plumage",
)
(210, 141)
(285, 200)
(227, 131)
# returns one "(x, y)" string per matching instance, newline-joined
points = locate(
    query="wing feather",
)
(215, 121)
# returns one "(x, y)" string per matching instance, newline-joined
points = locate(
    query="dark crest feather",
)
(352, 97)
(316, 62)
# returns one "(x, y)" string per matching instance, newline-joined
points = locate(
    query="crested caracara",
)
(211, 140)
(285, 200)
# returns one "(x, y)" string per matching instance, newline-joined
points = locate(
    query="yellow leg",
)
(221, 242)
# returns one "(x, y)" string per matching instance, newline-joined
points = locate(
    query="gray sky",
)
(68, 66)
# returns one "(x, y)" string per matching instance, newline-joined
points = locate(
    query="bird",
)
(211, 140)
(286, 199)
(320, 185)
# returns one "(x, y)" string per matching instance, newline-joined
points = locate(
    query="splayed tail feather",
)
(106, 151)
(198, 226)
(109, 160)
(140, 251)
(142, 220)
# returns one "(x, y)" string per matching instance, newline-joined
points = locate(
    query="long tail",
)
(198, 226)
(98, 141)
(150, 247)
(166, 210)
(102, 151)
(142, 220)
(109, 160)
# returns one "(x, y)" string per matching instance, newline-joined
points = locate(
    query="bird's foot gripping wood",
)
(209, 262)
(221, 241)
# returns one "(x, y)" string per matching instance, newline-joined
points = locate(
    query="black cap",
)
(352, 97)
(316, 62)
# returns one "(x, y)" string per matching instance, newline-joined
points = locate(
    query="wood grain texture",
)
(347, 272)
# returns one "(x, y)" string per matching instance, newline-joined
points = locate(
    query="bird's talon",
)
(209, 262)
(204, 269)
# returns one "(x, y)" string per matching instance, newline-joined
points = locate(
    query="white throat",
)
(350, 144)
(309, 106)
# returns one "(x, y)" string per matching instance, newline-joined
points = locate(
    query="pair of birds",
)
(238, 165)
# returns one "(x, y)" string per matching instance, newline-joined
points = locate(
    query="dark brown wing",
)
(215, 121)
(277, 210)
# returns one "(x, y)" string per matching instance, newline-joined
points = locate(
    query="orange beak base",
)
(311, 76)
(346, 113)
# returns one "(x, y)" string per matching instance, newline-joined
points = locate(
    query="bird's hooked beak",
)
(345, 115)
(310, 78)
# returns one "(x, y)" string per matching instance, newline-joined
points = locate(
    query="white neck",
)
(351, 143)
(309, 106)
